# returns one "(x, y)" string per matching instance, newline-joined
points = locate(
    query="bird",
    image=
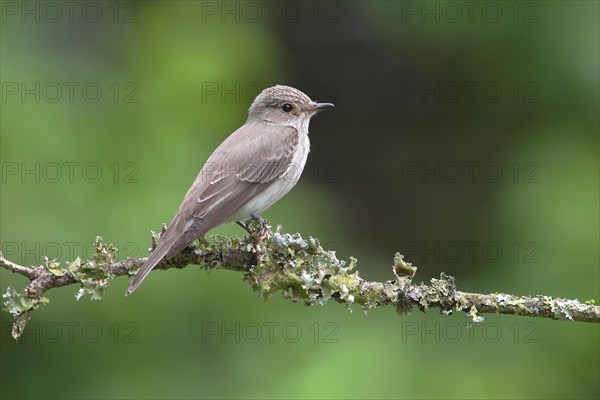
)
(247, 173)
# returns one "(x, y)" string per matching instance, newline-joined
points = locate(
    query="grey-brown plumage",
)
(252, 169)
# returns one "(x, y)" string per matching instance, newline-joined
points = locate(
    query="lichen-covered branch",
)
(300, 268)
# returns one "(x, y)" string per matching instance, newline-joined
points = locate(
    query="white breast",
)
(279, 188)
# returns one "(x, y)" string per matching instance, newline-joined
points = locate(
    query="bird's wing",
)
(235, 173)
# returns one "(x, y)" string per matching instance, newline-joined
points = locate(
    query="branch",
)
(300, 268)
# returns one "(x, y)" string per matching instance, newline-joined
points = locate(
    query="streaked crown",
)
(280, 94)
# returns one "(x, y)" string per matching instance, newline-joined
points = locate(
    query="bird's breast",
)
(279, 187)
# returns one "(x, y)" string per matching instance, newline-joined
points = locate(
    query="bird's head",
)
(286, 106)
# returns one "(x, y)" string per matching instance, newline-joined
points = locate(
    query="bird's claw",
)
(257, 235)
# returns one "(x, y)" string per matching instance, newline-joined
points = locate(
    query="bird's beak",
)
(320, 106)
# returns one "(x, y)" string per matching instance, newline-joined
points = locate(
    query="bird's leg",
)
(263, 225)
(258, 237)
(245, 227)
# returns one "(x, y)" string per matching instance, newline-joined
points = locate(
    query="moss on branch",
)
(299, 268)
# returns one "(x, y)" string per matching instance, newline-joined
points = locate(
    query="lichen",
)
(475, 318)
(94, 274)
(16, 304)
(300, 268)
(441, 293)
(403, 268)
(303, 271)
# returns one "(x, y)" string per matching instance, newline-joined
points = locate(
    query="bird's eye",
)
(287, 107)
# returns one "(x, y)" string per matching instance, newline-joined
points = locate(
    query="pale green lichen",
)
(561, 308)
(475, 318)
(94, 274)
(53, 266)
(435, 294)
(16, 304)
(442, 294)
(300, 268)
(403, 268)
(303, 271)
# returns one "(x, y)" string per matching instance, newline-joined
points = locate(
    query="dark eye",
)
(287, 107)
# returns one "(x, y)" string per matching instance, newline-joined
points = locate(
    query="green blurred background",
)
(426, 93)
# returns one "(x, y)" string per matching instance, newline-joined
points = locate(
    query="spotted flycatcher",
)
(252, 169)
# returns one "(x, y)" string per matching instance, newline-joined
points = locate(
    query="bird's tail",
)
(159, 252)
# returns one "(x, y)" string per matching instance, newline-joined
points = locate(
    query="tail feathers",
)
(161, 250)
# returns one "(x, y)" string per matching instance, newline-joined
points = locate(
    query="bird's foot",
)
(258, 234)
(264, 226)
(245, 227)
